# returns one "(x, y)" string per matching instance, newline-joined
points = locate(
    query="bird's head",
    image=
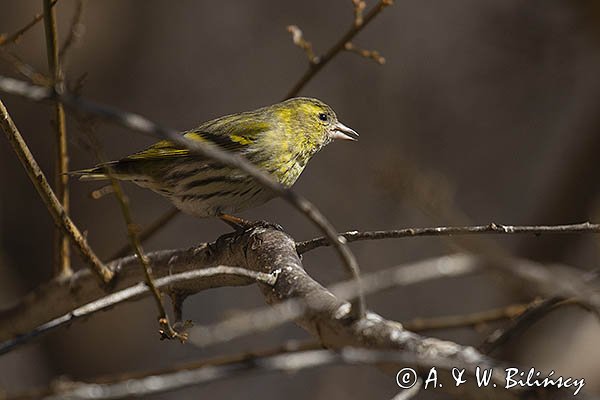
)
(312, 123)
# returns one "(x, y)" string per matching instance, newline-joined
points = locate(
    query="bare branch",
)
(545, 279)
(535, 312)
(166, 374)
(467, 320)
(359, 8)
(298, 39)
(14, 38)
(202, 278)
(61, 219)
(166, 330)
(266, 318)
(270, 251)
(138, 123)
(288, 362)
(356, 27)
(370, 54)
(148, 232)
(493, 228)
(75, 34)
(24, 69)
(62, 251)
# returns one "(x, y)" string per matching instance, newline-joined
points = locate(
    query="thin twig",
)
(130, 293)
(148, 232)
(370, 54)
(534, 312)
(75, 33)
(493, 228)
(298, 39)
(61, 219)
(289, 347)
(166, 330)
(24, 69)
(62, 260)
(467, 320)
(314, 68)
(359, 9)
(138, 123)
(14, 38)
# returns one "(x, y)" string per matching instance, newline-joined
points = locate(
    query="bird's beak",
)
(341, 131)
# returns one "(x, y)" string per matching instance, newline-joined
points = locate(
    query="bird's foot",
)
(242, 225)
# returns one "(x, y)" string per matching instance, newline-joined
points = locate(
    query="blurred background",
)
(485, 111)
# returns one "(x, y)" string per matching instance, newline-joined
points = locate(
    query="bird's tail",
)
(97, 173)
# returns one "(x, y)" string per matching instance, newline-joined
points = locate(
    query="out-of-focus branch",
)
(266, 318)
(359, 24)
(138, 123)
(14, 38)
(62, 257)
(24, 69)
(288, 362)
(200, 279)
(166, 374)
(148, 232)
(298, 39)
(545, 279)
(467, 320)
(359, 8)
(370, 54)
(267, 250)
(61, 219)
(74, 35)
(166, 330)
(535, 312)
(493, 228)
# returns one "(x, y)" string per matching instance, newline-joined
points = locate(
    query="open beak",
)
(341, 131)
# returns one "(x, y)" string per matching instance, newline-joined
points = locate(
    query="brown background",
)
(485, 111)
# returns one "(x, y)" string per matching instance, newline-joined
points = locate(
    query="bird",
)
(279, 139)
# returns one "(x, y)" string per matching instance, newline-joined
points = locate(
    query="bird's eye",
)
(323, 117)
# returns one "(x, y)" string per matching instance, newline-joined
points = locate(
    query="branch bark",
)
(270, 251)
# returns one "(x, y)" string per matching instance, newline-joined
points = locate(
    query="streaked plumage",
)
(279, 139)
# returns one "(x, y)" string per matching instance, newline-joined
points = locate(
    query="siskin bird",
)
(279, 139)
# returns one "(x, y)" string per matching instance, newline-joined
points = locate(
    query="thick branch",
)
(267, 250)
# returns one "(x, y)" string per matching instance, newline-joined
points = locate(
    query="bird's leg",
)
(236, 223)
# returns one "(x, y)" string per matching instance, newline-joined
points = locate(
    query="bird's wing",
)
(235, 133)
(229, 134)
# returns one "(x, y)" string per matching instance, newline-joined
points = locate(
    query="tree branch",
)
(62, 259)
(269, 251)
(14, 38)
(61, 219)
(493, 228)
(200, 279)
(319, 62)
(148, 232)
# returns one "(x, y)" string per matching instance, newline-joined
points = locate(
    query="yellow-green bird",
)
(280, 139)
